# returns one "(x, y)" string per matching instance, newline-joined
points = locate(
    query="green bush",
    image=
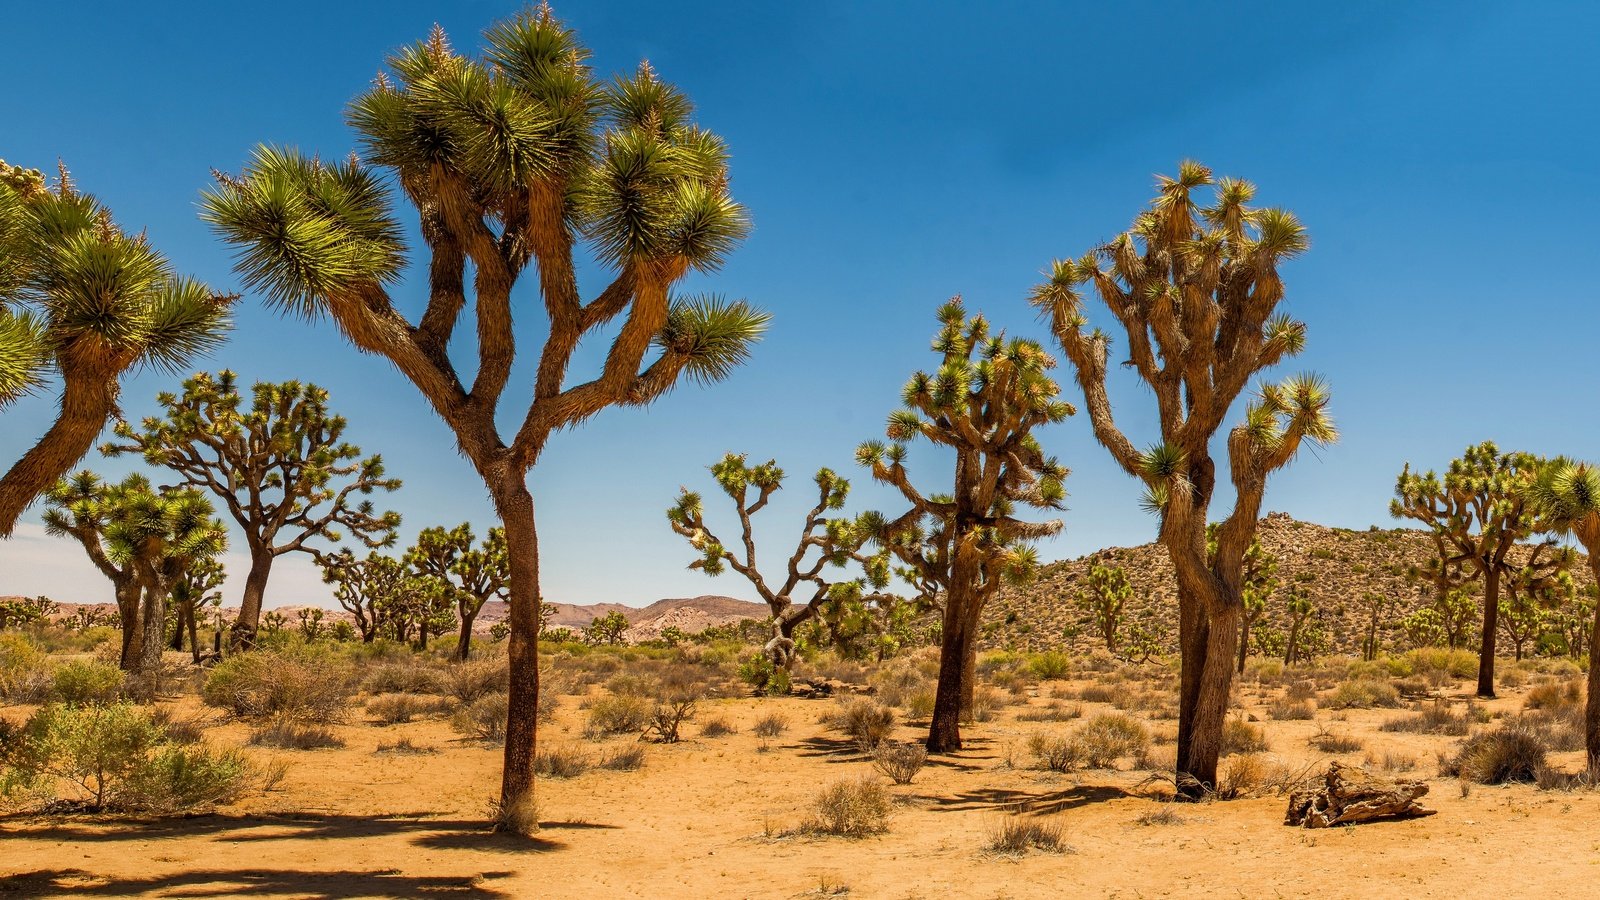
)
(1052, 665)
(1456, 663)
(618, 714)
(1363, 693)
(307, 682)
(85, 682)
(24, 669)
(478, 678)
(758, 671)
(116, 756)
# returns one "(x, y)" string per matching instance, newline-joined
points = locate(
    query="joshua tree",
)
(509, 160)
(1477, 513)
(83, 301)
(280, 468)
(1260, 583)
(607, 630)
(474, 576)
(363, 586)
(1299, 607)
(196, 586)
(1567, 495)
(1196, 290)
(836, 541)
(983, 403)
(1377, 606)
(145, 541)
(1108, 594)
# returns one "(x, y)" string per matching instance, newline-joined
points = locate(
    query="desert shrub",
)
(1114, 694)
(1442, 661)
(483, 719)
(394, 709)
(467, 681)
(901, 762)
(1333, 741)
(618, 714)
(405, 747)
(302, 681)
(1390, 761)
(1554, 695)
(85, 682)
(1264, 671)
(1055, 753)
(1054, 711)
(1015, 835)
(1363, 693)
(1239, 736)
(668, 716)
(24, 669)
(850, 807)
(770, 725)
(548, 702)
(632, 684)
(1051, 665)
(405, 677)
(289, 734)
(758, 671)
(1291, 710)
(1240, 776)
(1514, 752)
(1436, 718)
(866, 722)
(1547, 778)
(920, 704)
(622, 759)
(986, 702)
(560, 762)
(896, 684)
(1161, 815)
(1111, 736)
(116, 756)
(716, 727)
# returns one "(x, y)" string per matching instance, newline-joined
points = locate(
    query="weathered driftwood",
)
(1348, 795)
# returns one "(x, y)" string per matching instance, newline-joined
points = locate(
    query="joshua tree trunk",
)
(1206, 682)
(128, 609)
(243, 633)
(515, 506)
(956, 652)
(464, 645)
(194, 634)
(1491, 625)
(1244, 642)
(88, 397)
(153, 627)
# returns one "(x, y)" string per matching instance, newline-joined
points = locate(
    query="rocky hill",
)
(1336, 566)
(689, 614)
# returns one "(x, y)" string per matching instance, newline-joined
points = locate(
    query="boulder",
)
(1349, 794)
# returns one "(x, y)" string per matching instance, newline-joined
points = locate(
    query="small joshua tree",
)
(824, 542)
(1477, 514)
(363, 586)
(1299, 607)
(473, 575)
(280, 467)
(1196, 290)
(1107, 596)
(1377, 606)
(85, 302)
(607, 630)
(983, 402)
(196, 587)
(1260, 583)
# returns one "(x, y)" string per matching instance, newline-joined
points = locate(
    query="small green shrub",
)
(407, 676)
(866, 722)
(483, 719)
(1055, 753)
(850, 807)
(1108, 737)
(180, 778)
(618, 714)
(1051, 665)
(307, 682)
(24, 669)
(85, 682)
(758, 671)
(468, 681)
(1457, 663)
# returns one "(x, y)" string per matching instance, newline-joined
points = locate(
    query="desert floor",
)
(715, 817)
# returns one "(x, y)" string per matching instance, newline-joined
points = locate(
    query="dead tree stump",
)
(1348, 795)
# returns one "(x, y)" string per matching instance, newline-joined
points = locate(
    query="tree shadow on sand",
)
(242, 882)
(1026, 802)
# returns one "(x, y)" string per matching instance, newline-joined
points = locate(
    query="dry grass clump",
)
(717, 726)
(771, 725)
(1333, 741)
(1161, 815)
(1551, 779)
(1108, 737)
(1437, 717)
(901, 762)
(1554, 695)
(483, 719)
(618, 714)
(1363, 693)
(1053, 711)
(850, 807)
(1513, 752)
(919, 706)
(1015, 835)
(405, 747)
(1287, 710)
(668, 716)
(1239, 736)
(866, 722)
(560, 762)
(1055, 753)
(395, 709)
(408, 677)
(289, 734)
(897, 683)
(623, 759)
(308, 683)
(1390, 761)
(470, 680)
(1241, 776)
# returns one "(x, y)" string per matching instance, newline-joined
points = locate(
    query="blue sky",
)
(891, 156)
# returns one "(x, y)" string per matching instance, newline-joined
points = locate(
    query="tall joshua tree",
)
(472, 576)
(824, 541)
(1196, 290)
(983, 403)
(84, 302)
(1567, 495)
(1477, 513)
(280, 467)
(363, 586)
(510, 159)
(133, 531)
